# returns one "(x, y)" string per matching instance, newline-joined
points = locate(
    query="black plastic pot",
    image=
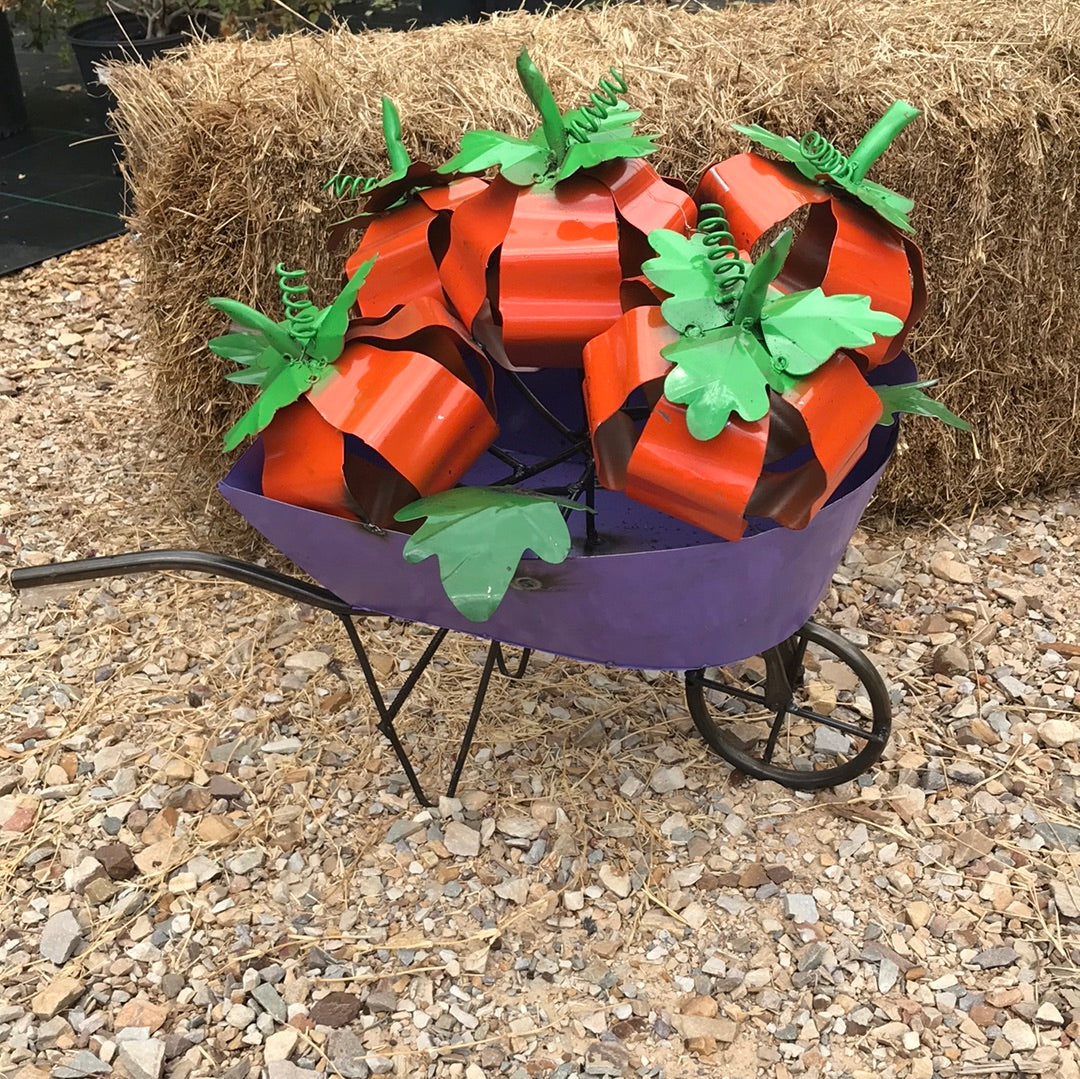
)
(119, 36)
(12, 105)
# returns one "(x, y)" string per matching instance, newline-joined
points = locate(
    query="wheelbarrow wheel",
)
(793, 714)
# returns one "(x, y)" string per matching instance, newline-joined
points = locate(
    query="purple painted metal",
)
(662, 595)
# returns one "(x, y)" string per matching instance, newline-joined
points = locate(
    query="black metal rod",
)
(527, 472)
(217, 565)
(523, 663)
(474, 716)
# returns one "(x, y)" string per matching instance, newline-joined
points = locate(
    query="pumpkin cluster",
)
(724, 377)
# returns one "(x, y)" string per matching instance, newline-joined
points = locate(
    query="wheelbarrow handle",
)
(217, 565)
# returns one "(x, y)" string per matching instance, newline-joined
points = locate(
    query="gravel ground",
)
(212, 867)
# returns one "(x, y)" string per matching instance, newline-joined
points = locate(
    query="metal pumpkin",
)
(541, 260)
(852, 240)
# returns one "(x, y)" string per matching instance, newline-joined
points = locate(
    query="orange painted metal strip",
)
(425, 325)
(477, 229)
(707, 484)
(409, 408)
(643, 198)
(869, 256)
(839, 410)
(618, 362)
(451, 196)
(404, 269)
(559, 273)
(302, 461)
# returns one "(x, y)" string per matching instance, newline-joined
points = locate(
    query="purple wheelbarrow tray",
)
(660, 594)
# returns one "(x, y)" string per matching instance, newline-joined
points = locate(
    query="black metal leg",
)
(389, 712)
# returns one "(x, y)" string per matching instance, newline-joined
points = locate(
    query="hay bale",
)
(227, 149)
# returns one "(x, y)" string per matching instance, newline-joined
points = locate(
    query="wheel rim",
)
(814, 737)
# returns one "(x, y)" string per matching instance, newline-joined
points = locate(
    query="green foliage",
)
(283, 359)
(910, 398)
(479, 534)
(563, 144)
(739, 337)
(817, 159)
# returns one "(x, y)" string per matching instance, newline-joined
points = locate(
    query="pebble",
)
(83, 1063)
(668, 780)
(57, 995)
(800, 908)
(143, 1059)
(61, 938)
(335, 1009)
(281, 1044)
(461, 840)
(1058, 733)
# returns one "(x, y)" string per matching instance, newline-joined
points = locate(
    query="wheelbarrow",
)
(640, 590)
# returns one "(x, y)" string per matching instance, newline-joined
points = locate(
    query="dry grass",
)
(227, 149)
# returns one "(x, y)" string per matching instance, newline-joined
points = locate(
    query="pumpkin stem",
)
(535, 85)
(877, 140)
(395, 148)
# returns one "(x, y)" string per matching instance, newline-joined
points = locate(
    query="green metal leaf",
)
(238, 347)
(282, 388)
(722, 372)
(275, 334)
(325, 347)
(803, 329)
(819, 161)
(481, 150)
(584, 155)
(910, 398)
(683, 269)
(761, 276)
(479, 534)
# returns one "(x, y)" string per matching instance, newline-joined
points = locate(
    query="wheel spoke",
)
(837, 724)
(774, 733)
(732, 691)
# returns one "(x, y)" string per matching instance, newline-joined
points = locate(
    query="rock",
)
(216, 831)
(117, 861)
(243, 863)
(918, 914)
(950, 659)
(516, 890)
(909, 802)
(380, 1065)
(270, 1001)
(1057, 733)
(82, 1064)
(618, 883)
(282, 745)
(945, 567)
(1049, 1015)
(668, 780)
(18, 813)
(309, 662)
(1059, 836)
(991, 958)
(171, 985)
(1019, 1035)
(140, 1012)
(281, 1044)
(142, 1059)
(224, 787)
(461, 840)
(518, 826)
(800, 908)
(240, 1016)
(59, 994)
(61, 937)
(703, 1026)
(284, 1069)
(347, 1054)
(335, 1009)
(1066, 897)
(971, 845)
